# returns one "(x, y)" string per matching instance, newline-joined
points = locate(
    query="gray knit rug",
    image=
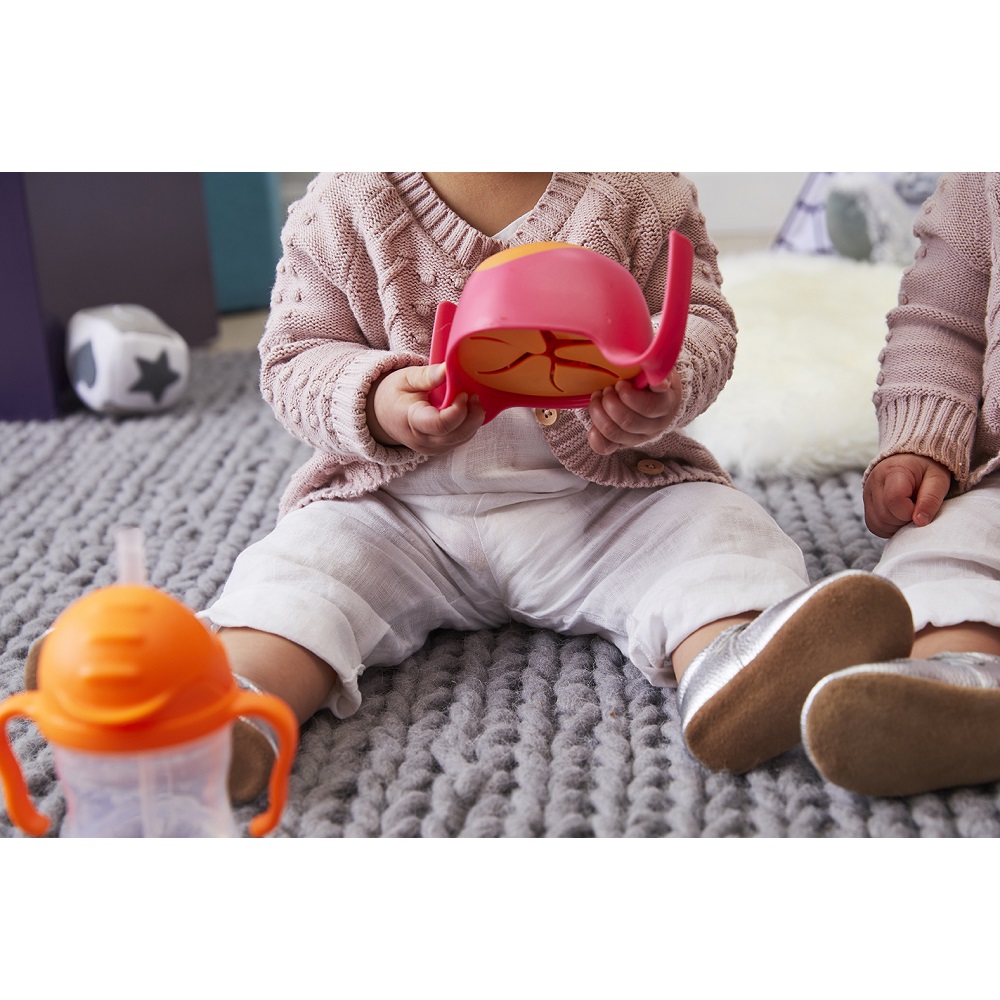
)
(505, 733)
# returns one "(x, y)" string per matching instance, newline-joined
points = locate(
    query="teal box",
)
(244, 217)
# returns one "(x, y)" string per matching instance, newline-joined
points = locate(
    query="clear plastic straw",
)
(130, 550)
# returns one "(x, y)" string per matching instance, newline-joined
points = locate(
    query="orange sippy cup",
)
(136, 697)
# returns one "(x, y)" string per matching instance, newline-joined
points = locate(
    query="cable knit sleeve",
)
(317, 362)
(931, 379)
(629, 217)
(706, 361)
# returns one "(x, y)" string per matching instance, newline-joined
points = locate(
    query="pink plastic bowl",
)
(547, 324)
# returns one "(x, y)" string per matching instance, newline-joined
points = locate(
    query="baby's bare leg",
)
(280, 667)
(690, 647)
(969, 637)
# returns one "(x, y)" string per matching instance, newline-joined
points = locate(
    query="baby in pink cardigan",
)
(603, 520)
(932, 720)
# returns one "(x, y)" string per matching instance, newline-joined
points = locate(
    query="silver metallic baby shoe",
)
(907, 726)
(741, 698)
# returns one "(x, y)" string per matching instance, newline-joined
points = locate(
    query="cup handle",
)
(15, 792)
(666, 345)
(282, 720)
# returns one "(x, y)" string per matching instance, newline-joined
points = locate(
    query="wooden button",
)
(546, 417)
(650, 467)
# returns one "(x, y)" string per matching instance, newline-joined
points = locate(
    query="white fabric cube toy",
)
(125, 359)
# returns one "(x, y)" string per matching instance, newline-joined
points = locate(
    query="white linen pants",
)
(949, 569)
(499, 531)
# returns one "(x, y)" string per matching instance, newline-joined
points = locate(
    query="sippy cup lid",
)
(128, 668)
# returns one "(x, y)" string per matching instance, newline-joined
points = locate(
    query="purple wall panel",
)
(69, 241)
(30, 378)
(143, 238)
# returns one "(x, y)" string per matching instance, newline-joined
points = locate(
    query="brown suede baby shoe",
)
(907, 726)
(741, 698)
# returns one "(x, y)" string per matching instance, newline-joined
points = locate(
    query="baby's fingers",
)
(897, 495)
(439, 430)
(931, 494)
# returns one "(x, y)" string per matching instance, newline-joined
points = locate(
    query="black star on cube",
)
(155, 376)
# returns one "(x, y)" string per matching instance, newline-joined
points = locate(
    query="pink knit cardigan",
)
(939, 386)
(367, 257)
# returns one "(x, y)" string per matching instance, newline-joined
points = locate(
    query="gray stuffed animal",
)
(870, 216)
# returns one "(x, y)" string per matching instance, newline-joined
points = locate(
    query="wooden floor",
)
(239, 332)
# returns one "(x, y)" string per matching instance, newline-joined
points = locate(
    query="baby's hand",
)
(399, 412)
(904, 488)
(624, 416)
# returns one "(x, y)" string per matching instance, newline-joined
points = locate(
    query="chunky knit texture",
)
(513, 732)
(939, 388)
(367, 257)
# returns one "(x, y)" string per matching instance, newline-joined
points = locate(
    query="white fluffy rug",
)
(810, 332)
